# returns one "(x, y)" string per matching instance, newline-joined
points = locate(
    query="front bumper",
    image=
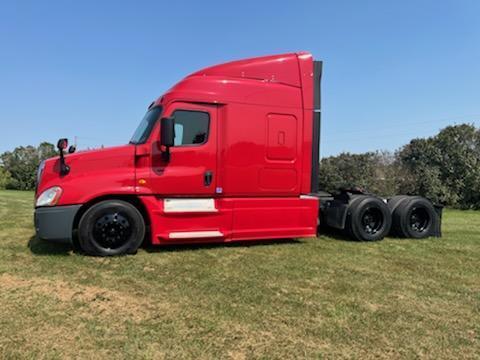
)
(55, 223)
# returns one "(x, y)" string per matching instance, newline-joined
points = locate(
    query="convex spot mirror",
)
(62, 144)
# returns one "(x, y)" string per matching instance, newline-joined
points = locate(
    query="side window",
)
(191, 127)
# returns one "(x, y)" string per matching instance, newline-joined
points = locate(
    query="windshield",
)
(146, 125)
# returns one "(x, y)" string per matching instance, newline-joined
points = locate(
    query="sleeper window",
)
(191, 127)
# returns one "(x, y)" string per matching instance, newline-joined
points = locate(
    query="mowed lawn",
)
(311, 298)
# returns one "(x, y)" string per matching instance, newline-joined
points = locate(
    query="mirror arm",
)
(166, 154)
(64, 168)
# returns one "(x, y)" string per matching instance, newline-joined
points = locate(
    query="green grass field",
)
(311, 298)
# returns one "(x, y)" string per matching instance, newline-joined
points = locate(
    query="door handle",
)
(207, 178)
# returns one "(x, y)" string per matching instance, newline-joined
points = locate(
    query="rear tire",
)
(110, 228)
(395, 201)
(393, 204)
(415, 218)
(368, 219)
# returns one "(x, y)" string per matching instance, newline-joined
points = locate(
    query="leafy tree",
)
(385, 181)
(460, 151)
(22, 164)
(419, 173)
(46, 150)
(371, 171)
(5, 178)
(444, 168)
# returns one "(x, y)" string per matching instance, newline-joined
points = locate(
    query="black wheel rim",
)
(112, 230)
(372, 221)
(419, 219)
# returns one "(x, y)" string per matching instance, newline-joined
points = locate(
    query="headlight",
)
(49, 197)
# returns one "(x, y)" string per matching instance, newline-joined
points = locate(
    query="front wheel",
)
(111, 227)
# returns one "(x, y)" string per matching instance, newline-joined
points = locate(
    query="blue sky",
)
(392, 70)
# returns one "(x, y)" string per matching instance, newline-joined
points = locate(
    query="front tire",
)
(110, 228)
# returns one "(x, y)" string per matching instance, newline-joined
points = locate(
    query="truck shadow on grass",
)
(42, 247)
(240, 244)
(336, 235)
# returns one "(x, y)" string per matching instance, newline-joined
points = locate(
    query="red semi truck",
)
(230, 153)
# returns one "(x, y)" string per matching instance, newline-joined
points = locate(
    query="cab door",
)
(191, 169)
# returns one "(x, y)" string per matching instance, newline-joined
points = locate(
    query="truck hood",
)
(95, 154)
(92, 173)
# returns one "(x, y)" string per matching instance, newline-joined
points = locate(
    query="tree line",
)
(18, 168)
(444, 168)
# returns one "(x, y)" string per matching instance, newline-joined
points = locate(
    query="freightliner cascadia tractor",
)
(230, 153)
